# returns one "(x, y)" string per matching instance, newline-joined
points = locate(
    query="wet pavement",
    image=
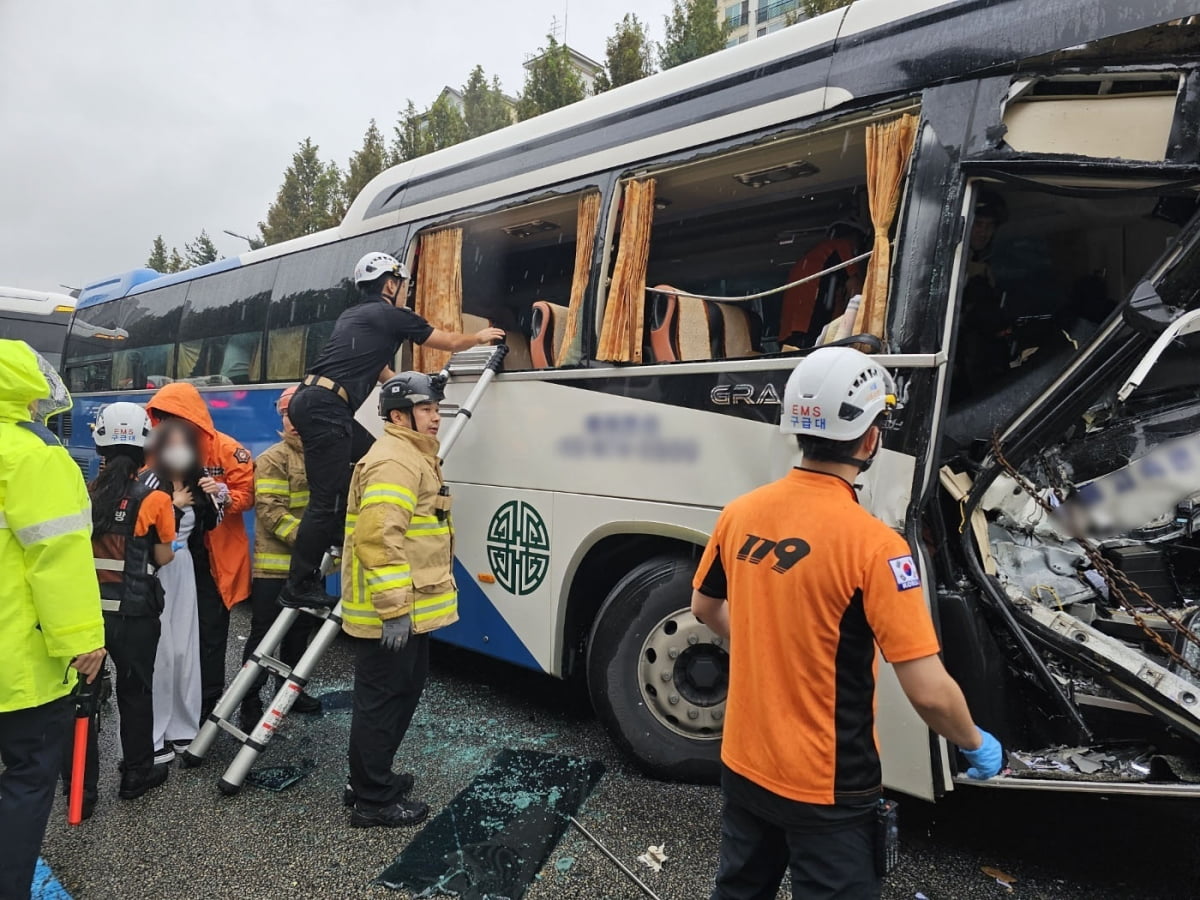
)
(187, 840)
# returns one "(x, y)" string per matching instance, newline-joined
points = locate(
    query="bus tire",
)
(654, 710)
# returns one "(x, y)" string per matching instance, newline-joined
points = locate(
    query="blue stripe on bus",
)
(481, 627)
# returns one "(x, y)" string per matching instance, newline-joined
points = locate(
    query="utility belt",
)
(329, 384)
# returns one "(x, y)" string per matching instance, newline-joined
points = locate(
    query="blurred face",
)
(393, 290)
(175, 453)
(288, 427)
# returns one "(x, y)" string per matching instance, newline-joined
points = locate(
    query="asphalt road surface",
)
(187, 840)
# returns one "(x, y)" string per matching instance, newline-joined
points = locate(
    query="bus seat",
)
(807, 308)
(685, 328)
(518, 345)
(549, 328)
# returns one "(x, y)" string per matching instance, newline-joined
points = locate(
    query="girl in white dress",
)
(176, 470)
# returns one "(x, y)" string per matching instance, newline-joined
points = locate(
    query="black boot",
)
(400, 814)
(135, 782)
(404, 784)
(250, 713)
(307, 704)
(306, 594)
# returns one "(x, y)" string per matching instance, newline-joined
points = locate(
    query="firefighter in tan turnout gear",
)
(397, 587)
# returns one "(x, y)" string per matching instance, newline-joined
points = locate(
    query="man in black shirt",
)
(359, 353)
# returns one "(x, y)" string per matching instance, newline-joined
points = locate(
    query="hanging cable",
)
(767, 293)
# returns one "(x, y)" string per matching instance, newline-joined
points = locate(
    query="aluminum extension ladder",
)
(486, 361)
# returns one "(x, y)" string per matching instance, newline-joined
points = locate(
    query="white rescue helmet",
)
(836, 393)
(375, 265)
(121, 424)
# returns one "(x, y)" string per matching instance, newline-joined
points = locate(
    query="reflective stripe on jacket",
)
(49, 597)
(399, 547)
(280, 497)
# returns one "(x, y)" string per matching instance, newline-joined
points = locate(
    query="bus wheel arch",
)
(657, 677)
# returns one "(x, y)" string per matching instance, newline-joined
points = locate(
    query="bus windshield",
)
(45, 334)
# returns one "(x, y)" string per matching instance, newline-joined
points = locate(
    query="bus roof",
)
(870, 48)
(34, 303)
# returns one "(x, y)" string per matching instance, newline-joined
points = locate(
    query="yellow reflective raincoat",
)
(399, 538)
(49, 596)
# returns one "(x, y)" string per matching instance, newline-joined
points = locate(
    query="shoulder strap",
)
(48, 437)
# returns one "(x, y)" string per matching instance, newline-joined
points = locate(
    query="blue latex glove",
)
(177, 545)
(986, 761)
(396, 633)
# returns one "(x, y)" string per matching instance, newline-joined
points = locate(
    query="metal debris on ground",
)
(1115, 763)
(1001, 877)
(654, 857)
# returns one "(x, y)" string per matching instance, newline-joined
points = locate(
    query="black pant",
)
(387, 688)
(32, 744)
(824, 865)
(213, 621)
(132, 642)
(333, 443)
(264, 610)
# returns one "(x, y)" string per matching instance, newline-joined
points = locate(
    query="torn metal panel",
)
(1155, 686)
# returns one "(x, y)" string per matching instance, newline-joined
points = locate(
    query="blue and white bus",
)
(630, 412)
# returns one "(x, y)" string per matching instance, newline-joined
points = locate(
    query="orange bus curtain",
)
(585, 242)
(624, 313)
(439, 292)
(889, 146)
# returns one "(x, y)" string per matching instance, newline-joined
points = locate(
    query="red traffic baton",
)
(85, 706)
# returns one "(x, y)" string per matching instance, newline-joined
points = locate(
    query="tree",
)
(551, 81)
(307, 200)
(200, 251)
(368, 161)
(158, 255)
(817, 7)
(693, 30)
(628, 54)
(485, 108)
(175, 262)
(418, 133)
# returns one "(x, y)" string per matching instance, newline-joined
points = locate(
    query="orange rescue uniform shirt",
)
(157, 512)
(813, 583)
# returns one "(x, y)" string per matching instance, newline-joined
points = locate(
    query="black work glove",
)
(396, 633)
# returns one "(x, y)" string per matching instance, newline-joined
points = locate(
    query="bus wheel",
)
(658, 678)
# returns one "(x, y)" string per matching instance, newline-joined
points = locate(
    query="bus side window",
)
(310, 291)
(521, 267)
(748, 222)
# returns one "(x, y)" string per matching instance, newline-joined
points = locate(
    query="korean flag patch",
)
(904, 570)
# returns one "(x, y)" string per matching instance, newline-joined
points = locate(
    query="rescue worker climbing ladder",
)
(359, 353)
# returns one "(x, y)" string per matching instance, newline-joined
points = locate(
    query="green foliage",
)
(158, 255)
(200, 251)
(693, 30)
(551, 81)
(368, 161)
(166, 263)
(817, 7)
(485, 108)
(418, 133)
(628, 54)
(307, 200)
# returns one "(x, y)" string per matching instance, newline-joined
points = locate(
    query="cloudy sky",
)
(123, 119)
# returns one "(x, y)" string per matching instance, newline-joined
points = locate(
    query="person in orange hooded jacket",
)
(223, 579)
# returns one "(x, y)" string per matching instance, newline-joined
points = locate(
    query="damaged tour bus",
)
(999, 199)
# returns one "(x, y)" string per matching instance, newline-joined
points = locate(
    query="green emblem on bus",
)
(518, 547)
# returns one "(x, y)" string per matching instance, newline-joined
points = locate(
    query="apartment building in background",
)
(749, 19)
